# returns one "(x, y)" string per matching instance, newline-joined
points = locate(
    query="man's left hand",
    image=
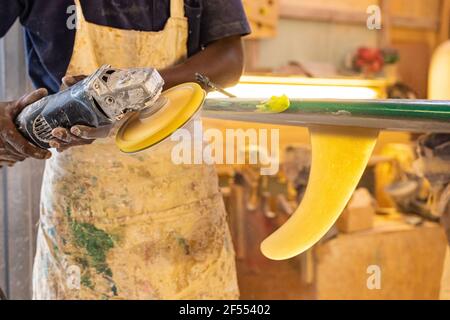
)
(77, 135)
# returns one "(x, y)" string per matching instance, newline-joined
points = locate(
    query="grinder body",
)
(64, 109)
(98, 100)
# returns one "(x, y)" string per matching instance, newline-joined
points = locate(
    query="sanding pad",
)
(142, 131)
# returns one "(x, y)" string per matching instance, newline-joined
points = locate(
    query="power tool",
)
(105, 97)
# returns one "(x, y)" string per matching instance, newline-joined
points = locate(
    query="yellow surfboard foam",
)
(339, 158)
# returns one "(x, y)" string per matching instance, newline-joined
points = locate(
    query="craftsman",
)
(115, 225)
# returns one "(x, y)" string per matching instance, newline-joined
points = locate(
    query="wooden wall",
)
(313, 41)
(414, 33)
(326, 30)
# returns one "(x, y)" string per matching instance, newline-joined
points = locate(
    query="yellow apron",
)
(118, 226)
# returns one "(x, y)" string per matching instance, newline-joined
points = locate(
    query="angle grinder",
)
(105, 97)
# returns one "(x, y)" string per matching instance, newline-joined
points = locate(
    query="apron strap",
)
(176, 8)
(79, 11)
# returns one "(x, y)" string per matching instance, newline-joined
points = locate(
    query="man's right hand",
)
(13, 146)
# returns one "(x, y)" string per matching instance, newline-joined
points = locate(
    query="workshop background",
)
(387, 224)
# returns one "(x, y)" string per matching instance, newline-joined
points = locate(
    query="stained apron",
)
(120, 226)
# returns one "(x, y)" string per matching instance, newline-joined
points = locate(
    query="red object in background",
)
(368, 60)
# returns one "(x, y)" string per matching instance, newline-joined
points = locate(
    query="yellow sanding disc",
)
(141, 132)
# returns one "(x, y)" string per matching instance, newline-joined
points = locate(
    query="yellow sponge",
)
(139, 133)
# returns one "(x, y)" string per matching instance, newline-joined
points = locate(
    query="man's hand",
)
(13, 146)
(81, 135)
(77, 135)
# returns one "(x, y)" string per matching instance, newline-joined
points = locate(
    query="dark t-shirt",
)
(49, 41)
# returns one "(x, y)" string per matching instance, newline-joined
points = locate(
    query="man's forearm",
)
(222, 62)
